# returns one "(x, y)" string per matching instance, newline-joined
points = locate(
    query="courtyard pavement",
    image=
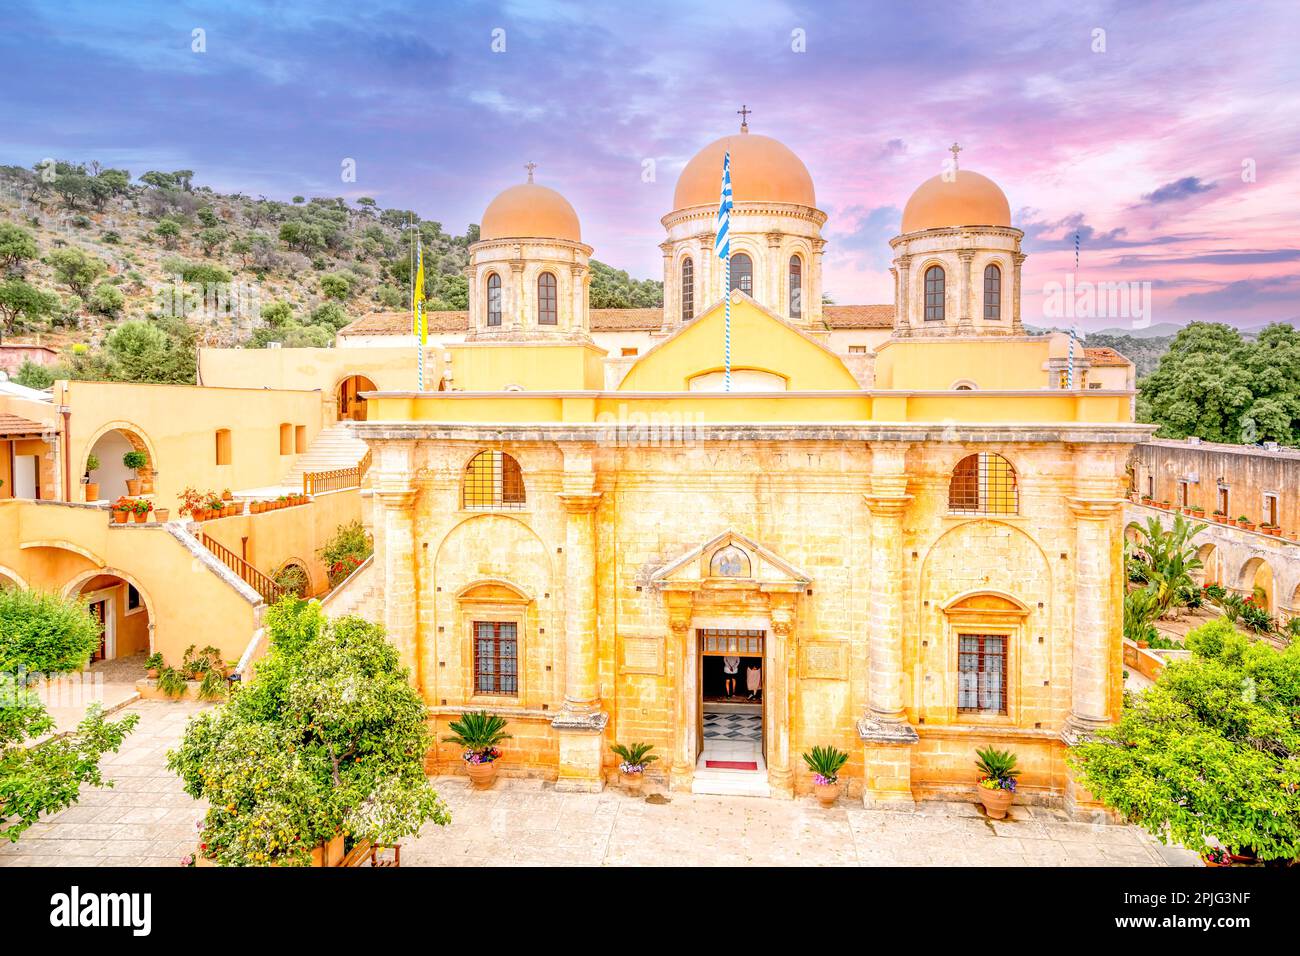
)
(148, 820)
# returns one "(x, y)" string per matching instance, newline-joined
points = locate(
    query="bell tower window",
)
(742, 273)
(494, 299)
(992, 293)
(796, 287)
(934, 294)
(688, 289)
(547, 313)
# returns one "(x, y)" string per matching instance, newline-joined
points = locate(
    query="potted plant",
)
(826, 764)
(227, 495)
(479, 733)
(1246, 523)
(162, 515)
(171, 683)
(142, 507)
(153, 664)
(135, 460)
(92, 487)
(634, 758)
(997, 781)
(122, 509)
(1216, 856)
(1219, 516)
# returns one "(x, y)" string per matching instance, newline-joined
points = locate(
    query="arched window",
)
(493, 480)
(992, 293)
(688, 289)
(796, 287)
(494, 299)
(547, 313)
(934, 294)
(984, 484)
(742, 273)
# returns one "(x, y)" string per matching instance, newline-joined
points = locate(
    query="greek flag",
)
(722, 239)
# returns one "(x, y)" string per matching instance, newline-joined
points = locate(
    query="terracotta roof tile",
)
(16, 425)
(1106, 357)
(858, 316)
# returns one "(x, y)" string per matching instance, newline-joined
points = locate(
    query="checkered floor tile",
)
(733, 726)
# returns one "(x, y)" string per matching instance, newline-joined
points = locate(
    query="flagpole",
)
(419, 313)
(1074, 318)
(727, 327)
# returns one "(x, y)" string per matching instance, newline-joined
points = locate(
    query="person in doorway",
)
(754, 681)
(730, 668)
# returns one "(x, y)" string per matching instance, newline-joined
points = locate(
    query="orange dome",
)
(530, 211)
(762, 170)
(968, 200)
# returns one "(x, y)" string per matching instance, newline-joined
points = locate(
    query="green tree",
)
(212, 239)
(44, 634)
(107, 299)
(76, 269)
(21, 302)
(17, 245)
(32, 375)
(169, 230)
(335, 286)
(1210, 751)
(328, 735)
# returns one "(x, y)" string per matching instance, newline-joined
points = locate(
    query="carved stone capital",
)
(579, 503)
(1095, 509)
(887, 506)
(580, 723)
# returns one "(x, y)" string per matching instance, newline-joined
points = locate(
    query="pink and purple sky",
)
(1140, 148)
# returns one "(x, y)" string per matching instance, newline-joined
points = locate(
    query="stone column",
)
(1017, 327)
(706, 266)
(812, 289)
(395, 494)
(777, 690)
(581, 723)
(886, 735)
(578, 316)
(672, 285)
(682, 652)
(964, 321)
(775, 300)
(518, 298)
(903, 320)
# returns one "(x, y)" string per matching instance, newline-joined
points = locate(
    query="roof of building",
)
(762, 170)
(1104, 356)
(608, 320)
(17, 425)
(28, 346)
(966, 199)
(530, 211)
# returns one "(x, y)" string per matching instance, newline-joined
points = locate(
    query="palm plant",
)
(1140, 610)
(998, 768)
(826, 763)
(634, 757)
(478, 732)
(1170, 558)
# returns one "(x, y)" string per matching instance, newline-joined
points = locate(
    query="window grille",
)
(934, 294)
(494, 299)
(547, 311)
(742, 273)
(984, 484)
(688, 289)
(982, 674)
(496, 657)
(493, 480)
(731, 642)
(992, 293)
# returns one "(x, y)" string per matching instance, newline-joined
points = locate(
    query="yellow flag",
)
(417, 302)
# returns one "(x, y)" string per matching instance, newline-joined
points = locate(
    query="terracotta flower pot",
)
(119, 517)
(482, 775)
(133, 486)
(162, 514)
(239, 507)
(141, 517)
(632, 782)
(146, 486)
(827, 793)
(996, 802)
(92, 491)
(151, 673)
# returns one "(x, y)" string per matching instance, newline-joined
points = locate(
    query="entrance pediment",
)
(730, 561)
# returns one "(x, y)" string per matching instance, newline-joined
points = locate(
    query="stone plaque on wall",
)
(642, 654)
(824, 660)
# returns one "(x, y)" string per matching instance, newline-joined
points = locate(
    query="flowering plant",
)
(998, 768)
(479, 733)
(635, 757)
(1217, 855)
(486, 755)
(826, 764)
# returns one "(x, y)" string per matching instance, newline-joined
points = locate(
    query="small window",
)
(494, 299)
(496, 658)
(992, 293)
(729, 562)
(857, 350)
(1151, 489)
(628, 351)
(982, 674)
(133, 602)
(688, 289)
(796, 287)
(547, 301)
(223, 446)
(984, 484)
(494, 480)
(742, 273)
(1270, 509)
(286, 439)
(934, 294)
(1184, 497)
(299, 439)
(1223, 496)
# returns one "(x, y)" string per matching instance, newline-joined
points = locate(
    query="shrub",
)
(634, 757)
(825, 763)
(346, 550)
(41, 632)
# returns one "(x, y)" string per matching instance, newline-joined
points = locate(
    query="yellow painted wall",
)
(53, 545)
(534, 366)
(758, 341)
(989, 363)
(178, 424)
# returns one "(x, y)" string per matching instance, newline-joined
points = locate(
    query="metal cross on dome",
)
(530, 166)
(744, 112)
(954, 149)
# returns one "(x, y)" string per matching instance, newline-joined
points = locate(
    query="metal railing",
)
(264, 585)
(340, 479)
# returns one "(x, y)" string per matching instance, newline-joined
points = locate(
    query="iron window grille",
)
(496, 658)
(688, 289)
(984, 484)
(493, 481)
(982, 674)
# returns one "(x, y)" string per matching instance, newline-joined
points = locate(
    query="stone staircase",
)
(362, 595)
(334, 447)
(730, 783)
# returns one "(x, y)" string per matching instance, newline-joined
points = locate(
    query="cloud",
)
(1243, 294)
(1179, 189)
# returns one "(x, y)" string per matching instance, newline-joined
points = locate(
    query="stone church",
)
(907, 551)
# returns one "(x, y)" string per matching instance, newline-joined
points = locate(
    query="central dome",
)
(530, 211)
(762, 170)
(969, 199)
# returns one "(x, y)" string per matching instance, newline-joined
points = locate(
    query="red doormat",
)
(732, 764)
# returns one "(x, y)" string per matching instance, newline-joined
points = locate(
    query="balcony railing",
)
(264, 585)
(340, 479)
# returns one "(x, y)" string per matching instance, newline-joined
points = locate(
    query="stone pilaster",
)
(706, 267)
(682, 650)
(581, 722)
(964, 320)
(672, 288)
(903, 319)
(812, 286)
(886, 735)
(780, 777)
(1017, 327)
(775, 301)
(402, 606)
(518, 300)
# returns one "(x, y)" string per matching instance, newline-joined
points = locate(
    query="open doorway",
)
(731, 700)
(352, 407)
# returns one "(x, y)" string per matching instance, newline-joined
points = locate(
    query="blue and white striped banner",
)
(722, 248)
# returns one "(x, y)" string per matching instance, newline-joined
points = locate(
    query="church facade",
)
(906, 552)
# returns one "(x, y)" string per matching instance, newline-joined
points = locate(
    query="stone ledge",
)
(876, 731)
(593, 723)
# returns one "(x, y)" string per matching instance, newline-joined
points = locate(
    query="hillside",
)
(88, 249)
